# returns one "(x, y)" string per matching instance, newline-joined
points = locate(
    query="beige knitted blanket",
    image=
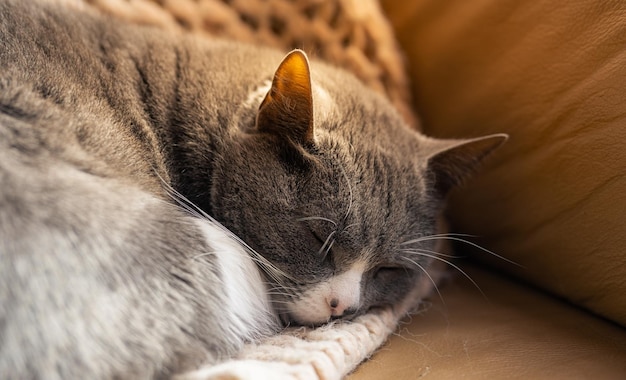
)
(325, 353)
(352, 34)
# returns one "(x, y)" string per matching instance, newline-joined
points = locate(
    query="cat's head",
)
(333, 189)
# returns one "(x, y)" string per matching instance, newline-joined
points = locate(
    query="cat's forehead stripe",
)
(359, 266)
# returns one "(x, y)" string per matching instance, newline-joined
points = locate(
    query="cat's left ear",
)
(452, 161)
(287, 110)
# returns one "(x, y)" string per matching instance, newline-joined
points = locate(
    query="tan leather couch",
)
(552, 74)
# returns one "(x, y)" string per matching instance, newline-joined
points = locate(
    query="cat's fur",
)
(106, 129)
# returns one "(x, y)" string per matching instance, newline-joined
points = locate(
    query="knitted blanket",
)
(352, 34)
(326, 353)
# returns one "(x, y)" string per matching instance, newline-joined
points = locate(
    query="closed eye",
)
(317, 237)
(388, 272)
(325, 251)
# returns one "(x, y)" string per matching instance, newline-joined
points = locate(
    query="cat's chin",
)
(289, 321)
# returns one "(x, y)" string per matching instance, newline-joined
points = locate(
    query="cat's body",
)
(103, 275)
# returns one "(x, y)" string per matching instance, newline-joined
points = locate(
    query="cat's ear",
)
(452, 161)
(287, 110)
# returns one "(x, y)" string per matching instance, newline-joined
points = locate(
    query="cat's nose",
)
(341, 312)
(337, 307)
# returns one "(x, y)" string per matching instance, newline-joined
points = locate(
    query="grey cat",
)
(134, 165)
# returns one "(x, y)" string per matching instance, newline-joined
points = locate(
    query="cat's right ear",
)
(287, 110)
(452, 161)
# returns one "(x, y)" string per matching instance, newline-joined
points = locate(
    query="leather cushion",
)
(512, 332)
(553, 76)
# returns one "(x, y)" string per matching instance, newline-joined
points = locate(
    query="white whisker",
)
(418, 250)
(351, 225)
(434, 257)
(350, 200)
(434, 236)
(281, 287)
(202, 255)
(317, 218)
(328, 244)
(429, 277)
(277, 302)
(457, 237)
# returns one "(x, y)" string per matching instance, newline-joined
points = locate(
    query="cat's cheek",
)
(384, 287)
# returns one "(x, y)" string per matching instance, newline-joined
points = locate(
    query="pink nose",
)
(337, 308)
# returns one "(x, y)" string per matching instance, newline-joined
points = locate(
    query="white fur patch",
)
(322, 103)
(255, 97)
(330, 298)
(246, 294)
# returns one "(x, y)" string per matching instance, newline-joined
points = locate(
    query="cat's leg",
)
(100, 279)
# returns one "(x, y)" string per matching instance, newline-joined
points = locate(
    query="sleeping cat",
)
(165, 199)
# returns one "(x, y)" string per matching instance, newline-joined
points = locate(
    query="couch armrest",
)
(553, 76)
(512, 332)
